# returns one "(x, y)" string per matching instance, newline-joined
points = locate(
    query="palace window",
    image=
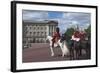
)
(34, 28)
(37, 33)
(34, 33)
(45, 28)
(45, 33)
(41, 32)
(30, 33)
(30, 27)
(37, 27)
(25, 28)
(41, 28)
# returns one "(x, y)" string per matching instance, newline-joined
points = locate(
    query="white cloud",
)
(67, 16)
(75, 22)
(77, 18)
(31, 15)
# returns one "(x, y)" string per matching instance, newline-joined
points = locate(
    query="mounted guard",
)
(56, 36)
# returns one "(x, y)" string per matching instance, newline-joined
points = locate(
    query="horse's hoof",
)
(63, 55)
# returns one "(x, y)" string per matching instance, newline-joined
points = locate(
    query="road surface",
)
(40, 52)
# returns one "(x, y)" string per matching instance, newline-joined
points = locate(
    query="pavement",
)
(40, 52)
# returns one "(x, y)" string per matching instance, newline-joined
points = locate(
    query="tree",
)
(69, 32)
(88, 31)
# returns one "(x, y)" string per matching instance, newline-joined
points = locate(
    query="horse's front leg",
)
(61, 47)
(52, 52)
(63, 54)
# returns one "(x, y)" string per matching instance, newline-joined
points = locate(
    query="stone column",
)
(53, 29)
(47, 30)
(50, 29)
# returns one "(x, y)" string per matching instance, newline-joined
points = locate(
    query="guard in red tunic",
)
(56, 36)
(82, 35)
(76, 36)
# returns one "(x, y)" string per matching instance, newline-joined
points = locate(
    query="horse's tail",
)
(65, 49)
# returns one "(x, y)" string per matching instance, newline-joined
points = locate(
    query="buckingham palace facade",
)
(37, 31)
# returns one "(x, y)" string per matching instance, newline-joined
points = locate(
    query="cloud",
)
(33, 15)
(72, 19)
(81, 19)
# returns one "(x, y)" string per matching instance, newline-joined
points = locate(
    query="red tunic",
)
(77, 34)
(82, 35)
(56, 36)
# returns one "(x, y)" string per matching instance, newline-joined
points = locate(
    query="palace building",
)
(37, 31)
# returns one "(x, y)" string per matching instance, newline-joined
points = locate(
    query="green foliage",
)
(88, 30)
(69, 32)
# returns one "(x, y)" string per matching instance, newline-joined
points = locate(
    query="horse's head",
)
(63, 38)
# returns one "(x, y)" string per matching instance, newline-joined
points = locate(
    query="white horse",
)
(62, 45)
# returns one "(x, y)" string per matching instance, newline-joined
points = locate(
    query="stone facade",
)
(36, 32)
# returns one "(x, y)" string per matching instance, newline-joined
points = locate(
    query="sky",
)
(65, 19)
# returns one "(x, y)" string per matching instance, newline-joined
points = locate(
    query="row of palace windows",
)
(33, 40)
(36, 33)
(35, 27)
